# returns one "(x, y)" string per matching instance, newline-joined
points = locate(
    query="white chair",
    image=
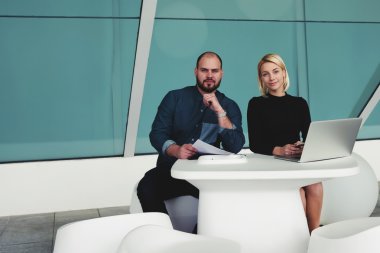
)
(103, 235)
(158, 239)
(350, 197)
(350, 236)
(183, 211)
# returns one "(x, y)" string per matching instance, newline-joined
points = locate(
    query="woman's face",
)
(273, 78)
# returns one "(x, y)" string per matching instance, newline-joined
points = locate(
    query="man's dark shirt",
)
(183, 118)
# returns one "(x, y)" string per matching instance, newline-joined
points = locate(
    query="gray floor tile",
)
(41, 247)
(62, 218)
(109, 211)
(71, 216)
(3, 223)
(28, 229)
(376, 212)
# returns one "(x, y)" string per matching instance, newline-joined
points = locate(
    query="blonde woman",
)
(279, 122)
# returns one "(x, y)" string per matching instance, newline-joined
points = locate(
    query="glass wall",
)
(239, 61)
(372, 126)
(65, 77)
(332, 53)
(343, 59)
(66, 67)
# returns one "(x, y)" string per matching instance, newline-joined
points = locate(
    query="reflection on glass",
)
(71, 8)
(231, 9)
(343, 63)
(343, 10)
(65, 87)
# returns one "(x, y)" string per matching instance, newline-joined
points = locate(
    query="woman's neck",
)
(277, 93)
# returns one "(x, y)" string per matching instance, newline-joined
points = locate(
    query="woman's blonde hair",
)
(276, 59)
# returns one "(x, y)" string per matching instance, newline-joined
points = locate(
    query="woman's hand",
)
(289, 149)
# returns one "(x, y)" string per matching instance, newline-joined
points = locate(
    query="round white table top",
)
(257, 167)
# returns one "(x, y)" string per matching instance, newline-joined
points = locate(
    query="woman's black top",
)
(276, 121)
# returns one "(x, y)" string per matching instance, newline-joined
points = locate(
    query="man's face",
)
(208, 73)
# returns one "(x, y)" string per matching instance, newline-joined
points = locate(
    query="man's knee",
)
(146, 188)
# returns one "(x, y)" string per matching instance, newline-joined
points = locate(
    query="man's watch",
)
(221, 114)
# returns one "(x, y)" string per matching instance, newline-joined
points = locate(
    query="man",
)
(185, 115)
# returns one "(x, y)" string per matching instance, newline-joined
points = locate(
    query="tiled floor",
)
(36, 233)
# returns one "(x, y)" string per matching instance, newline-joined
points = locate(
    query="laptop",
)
(328, 139)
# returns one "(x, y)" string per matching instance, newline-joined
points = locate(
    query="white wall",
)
(41, 187)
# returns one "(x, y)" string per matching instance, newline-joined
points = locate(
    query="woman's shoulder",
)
(256, 102)
(296, 99)
(259, 99)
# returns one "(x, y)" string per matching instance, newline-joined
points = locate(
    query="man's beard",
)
(206, 88)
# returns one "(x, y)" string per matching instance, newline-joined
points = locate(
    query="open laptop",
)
(328, 139)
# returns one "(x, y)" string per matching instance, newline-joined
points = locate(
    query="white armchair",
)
(183, 211)
(166, 240)
(103, 235)
(349, 236)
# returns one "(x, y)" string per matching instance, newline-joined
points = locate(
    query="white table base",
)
(235, 215)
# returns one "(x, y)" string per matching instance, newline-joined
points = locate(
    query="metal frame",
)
(370, 106)
(148, 13)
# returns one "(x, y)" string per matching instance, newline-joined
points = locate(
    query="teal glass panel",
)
(98, 8)
(343, 63)
(343, 10)
(344, 68)
(371, 128)
(176, 44)
(231, 9)
(65, 86)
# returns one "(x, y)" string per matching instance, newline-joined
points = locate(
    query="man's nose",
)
(209, 73)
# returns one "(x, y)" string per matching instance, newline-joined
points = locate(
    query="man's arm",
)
(229, 120)
(212, 102)
(162, 127)
(233, 138)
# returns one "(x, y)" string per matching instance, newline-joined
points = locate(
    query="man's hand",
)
(181, 152)
(210, 100)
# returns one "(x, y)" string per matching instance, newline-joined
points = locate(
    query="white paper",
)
(204, 148)
(222, 159)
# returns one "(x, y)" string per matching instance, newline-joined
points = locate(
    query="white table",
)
(256, 201)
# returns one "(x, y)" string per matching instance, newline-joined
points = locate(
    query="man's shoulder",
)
(182, 91)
